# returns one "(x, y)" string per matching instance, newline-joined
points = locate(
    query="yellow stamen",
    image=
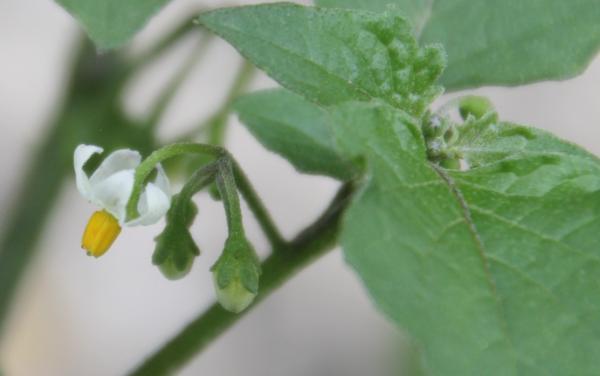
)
(100, 232)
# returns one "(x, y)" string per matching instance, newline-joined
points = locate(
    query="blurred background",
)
(75, 315)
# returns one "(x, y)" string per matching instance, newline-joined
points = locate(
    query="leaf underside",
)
(294, 128)
(111, 23)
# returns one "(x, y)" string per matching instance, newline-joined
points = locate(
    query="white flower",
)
(110, 187)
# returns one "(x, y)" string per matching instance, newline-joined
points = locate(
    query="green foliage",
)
(111, 23)
(416, 11)
(236, 274)
(294, 128)
(332, 55)
(509, 42)
(497, 261)
(490, 268)
(494, 268)
(175, 248)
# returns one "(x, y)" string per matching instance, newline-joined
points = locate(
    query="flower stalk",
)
(280, 266)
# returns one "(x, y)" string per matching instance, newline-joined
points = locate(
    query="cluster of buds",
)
(442, 134)
(112, 187)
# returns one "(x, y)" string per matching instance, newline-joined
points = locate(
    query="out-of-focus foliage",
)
(111, 23)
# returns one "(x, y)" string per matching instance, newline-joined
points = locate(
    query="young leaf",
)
(334, 55)
(509, 42)
(494, 268)
(294, 128)
(111, 23)
(415, 11)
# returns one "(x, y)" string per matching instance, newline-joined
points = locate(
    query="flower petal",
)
(81, 155)
(113, 193)
(162, 181)
(153, 205)
(118, 160)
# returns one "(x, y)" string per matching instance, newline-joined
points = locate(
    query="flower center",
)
(100, 232)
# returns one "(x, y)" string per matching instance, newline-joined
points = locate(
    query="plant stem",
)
(164, 43)
(148, 165)
(217, 131)
(177, 80)
(91, 82)
(33, 205)
(200, 179)
(216, 124)
(257, 207)
(229, 194)
(311, 243)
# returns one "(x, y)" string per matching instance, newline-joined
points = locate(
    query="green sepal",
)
(236, 274)
(175, 248)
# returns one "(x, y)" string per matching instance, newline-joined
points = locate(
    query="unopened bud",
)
(236, 274)
(475, 106)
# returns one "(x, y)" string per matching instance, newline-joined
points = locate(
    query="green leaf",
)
(175, 248)
(334, 55)
(496, 268)
(294, 128)
(509, 42)
(415, 11)
(111, 23)
(484, 140)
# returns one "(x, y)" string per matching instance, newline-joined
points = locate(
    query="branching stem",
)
(257, 207)
(311, 243)
(149, 164)
(236, 177)
(231, 201)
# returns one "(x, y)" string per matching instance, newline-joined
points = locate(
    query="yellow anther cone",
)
(100, 232)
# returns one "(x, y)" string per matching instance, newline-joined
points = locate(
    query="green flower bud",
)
(434, 126)
(176, 269)
(475, 106)
(175, 248)
(236, 274)
(452, 134)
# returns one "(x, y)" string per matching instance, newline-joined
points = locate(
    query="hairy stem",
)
(149, 164)
(231, 201)
(257, 207)
(313, 242)
(242, 80)
(200, 179)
